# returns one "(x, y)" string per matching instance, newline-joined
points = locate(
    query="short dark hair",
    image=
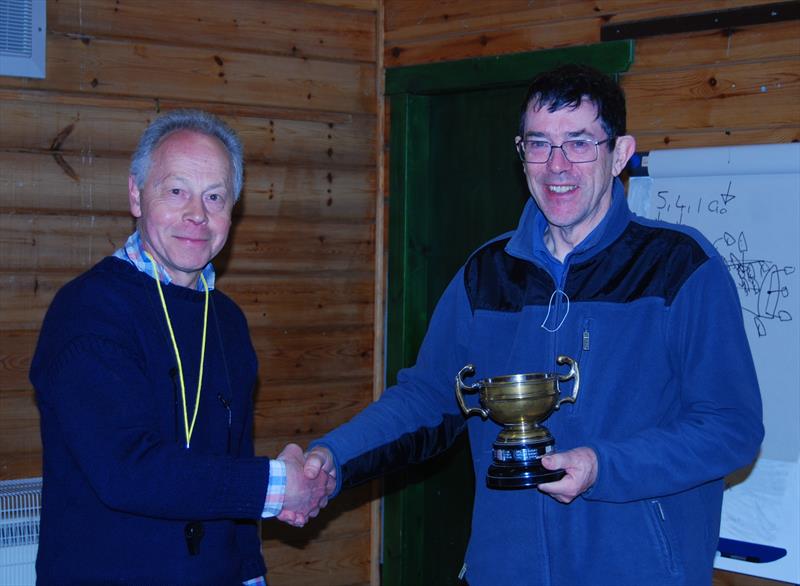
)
(567, 85)
(196, 121)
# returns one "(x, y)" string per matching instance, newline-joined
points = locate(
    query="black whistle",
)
(193, 532)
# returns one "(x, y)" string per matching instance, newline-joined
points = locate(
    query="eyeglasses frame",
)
(521, 152)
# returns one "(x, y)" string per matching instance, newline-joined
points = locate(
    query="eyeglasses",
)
(575, 151)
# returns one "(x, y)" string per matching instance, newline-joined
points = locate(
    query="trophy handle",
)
(468, 370)
(573, 373)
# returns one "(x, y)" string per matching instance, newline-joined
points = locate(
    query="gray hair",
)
(197, 121)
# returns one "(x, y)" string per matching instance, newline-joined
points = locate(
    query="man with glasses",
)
(669, 402)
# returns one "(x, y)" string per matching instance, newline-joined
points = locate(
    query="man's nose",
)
(558, 161)
(195, 210)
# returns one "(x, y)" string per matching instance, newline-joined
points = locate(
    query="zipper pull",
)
(586, 340)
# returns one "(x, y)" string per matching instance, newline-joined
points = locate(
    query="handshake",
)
(310, 480)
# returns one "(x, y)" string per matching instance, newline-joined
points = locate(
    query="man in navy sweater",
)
(669, 402)
(144, 374)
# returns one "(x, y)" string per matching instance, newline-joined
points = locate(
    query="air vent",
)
(23, 29)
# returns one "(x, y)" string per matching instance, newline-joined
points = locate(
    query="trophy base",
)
(521, 475)
(518, 464)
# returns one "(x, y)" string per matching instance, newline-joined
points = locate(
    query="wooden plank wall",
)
(717, 87)
(298, 81)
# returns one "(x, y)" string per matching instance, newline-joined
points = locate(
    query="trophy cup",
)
(519, 402)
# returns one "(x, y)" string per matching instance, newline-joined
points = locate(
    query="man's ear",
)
(134, 197)
(524, 166)
(623, 150)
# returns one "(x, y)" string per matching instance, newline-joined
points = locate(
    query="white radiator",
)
(20, 504)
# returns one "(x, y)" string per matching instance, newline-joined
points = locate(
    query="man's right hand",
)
(306, 491)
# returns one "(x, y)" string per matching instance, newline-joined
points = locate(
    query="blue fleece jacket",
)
(669, 401)
(119, 484)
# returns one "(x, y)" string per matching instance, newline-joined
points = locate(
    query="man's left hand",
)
(581, 467)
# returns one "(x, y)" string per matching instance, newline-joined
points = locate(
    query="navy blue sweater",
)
(119, 485)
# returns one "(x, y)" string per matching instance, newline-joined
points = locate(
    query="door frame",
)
(409, 91)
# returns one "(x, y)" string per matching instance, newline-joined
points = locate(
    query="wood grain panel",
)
(39, 121)
(308, 407)
(330, 298)
(446, 31)
(312, 354)
(646, 141)
(26, 297)
(16, 352)
(29, 243)
(177, 72)
(343, 562)
(309, 192)
(52, 182)
(346, 142)
(36, 121)
(415, 19)
(260, 26)
(354, 4)
(718, 96)
(157, 104)
(287, 244)
(756, 43)
(662, 52)
(20, 465)
(332, 549)
(494, 42)
(19, 422)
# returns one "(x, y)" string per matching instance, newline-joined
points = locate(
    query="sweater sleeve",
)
(418, 417)
(719, 426)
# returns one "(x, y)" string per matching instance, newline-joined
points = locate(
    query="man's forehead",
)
(189, 145)
(184, 150)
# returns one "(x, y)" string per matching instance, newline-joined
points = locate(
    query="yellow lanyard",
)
(188, 429)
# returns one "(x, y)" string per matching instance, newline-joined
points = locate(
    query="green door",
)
(455, 182)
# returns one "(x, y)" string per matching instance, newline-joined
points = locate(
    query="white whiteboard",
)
(746, 200)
